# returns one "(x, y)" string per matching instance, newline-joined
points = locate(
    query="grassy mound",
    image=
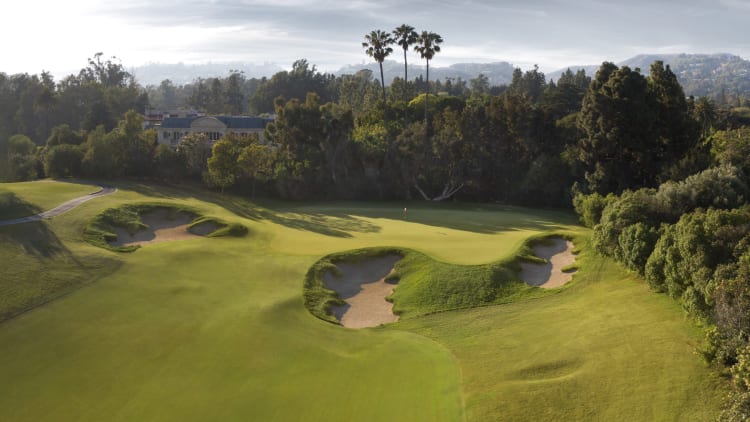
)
(101, 230)
(426, 285)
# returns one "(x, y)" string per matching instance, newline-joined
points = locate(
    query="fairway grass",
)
(605, 349)
(216, 329)
(27, 198)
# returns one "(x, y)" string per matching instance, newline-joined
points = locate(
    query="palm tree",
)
(427, 45)
(405, 36)
(378, 46)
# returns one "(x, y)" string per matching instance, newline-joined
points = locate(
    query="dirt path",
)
(60, 209)
(558, 255)
(362, 285)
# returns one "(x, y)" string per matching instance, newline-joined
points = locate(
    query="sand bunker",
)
(163, 226)
(362, 285)
(558, 254)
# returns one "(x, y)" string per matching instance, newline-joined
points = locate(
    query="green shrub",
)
(635, 244)
(632, 207)
(721, 187)
(590, 207)
(690, 252)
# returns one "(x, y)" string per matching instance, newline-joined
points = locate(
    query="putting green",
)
(215, 329)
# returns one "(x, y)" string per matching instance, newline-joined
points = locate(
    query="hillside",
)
(699, 74)
(498, 73)
(181, 73)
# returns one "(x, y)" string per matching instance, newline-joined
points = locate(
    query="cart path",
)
(63, 208)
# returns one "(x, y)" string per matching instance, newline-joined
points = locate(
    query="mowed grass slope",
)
(605, 348)
(37, 266)
(215, 329)
(28, 198)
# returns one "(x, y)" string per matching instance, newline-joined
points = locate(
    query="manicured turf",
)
(215, 328)
(603, 349)
(28, 198)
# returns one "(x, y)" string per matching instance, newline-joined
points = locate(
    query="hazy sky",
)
(59, 35)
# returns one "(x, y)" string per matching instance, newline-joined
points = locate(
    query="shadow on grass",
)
(40, 268)
(343, 219)
(11, 206)
(36, 240)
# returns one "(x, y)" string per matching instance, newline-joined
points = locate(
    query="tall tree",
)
(618, 121)
(428, 44)
(378, 46)
(405, 36)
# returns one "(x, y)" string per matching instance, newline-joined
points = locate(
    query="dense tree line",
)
(527, 142)
(691, 239)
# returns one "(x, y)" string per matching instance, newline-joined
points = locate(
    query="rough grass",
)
(216, 329)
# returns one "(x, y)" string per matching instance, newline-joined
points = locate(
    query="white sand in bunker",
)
(558, 254)
(362, 285)
(163, 226)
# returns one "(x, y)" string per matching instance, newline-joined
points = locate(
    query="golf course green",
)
(216, 328)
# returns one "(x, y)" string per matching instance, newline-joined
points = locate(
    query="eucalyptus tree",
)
(378, 46)
(406, 37)
(428, 44)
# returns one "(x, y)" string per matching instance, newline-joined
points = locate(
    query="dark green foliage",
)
(732, 147)
(629, 209)
(63, 134)
(634, 128)
(63, 160)
(22, 160)
(635, 244)
(21, 145)
(689, 252)
(737, 408)
(729, 341)
(722, 187)
(23, 167)
(629, 225)
(590, 207)
(294, 84)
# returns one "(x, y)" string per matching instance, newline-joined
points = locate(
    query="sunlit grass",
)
(215, 328)
(26, 198)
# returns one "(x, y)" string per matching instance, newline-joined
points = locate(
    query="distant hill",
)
(181, 74)
(498, 73)
(699, 74)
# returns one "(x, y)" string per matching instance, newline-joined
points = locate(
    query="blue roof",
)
(177, 122)
(244, 122)
(232, 122)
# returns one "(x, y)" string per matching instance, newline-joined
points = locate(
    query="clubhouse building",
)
(172, 129)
